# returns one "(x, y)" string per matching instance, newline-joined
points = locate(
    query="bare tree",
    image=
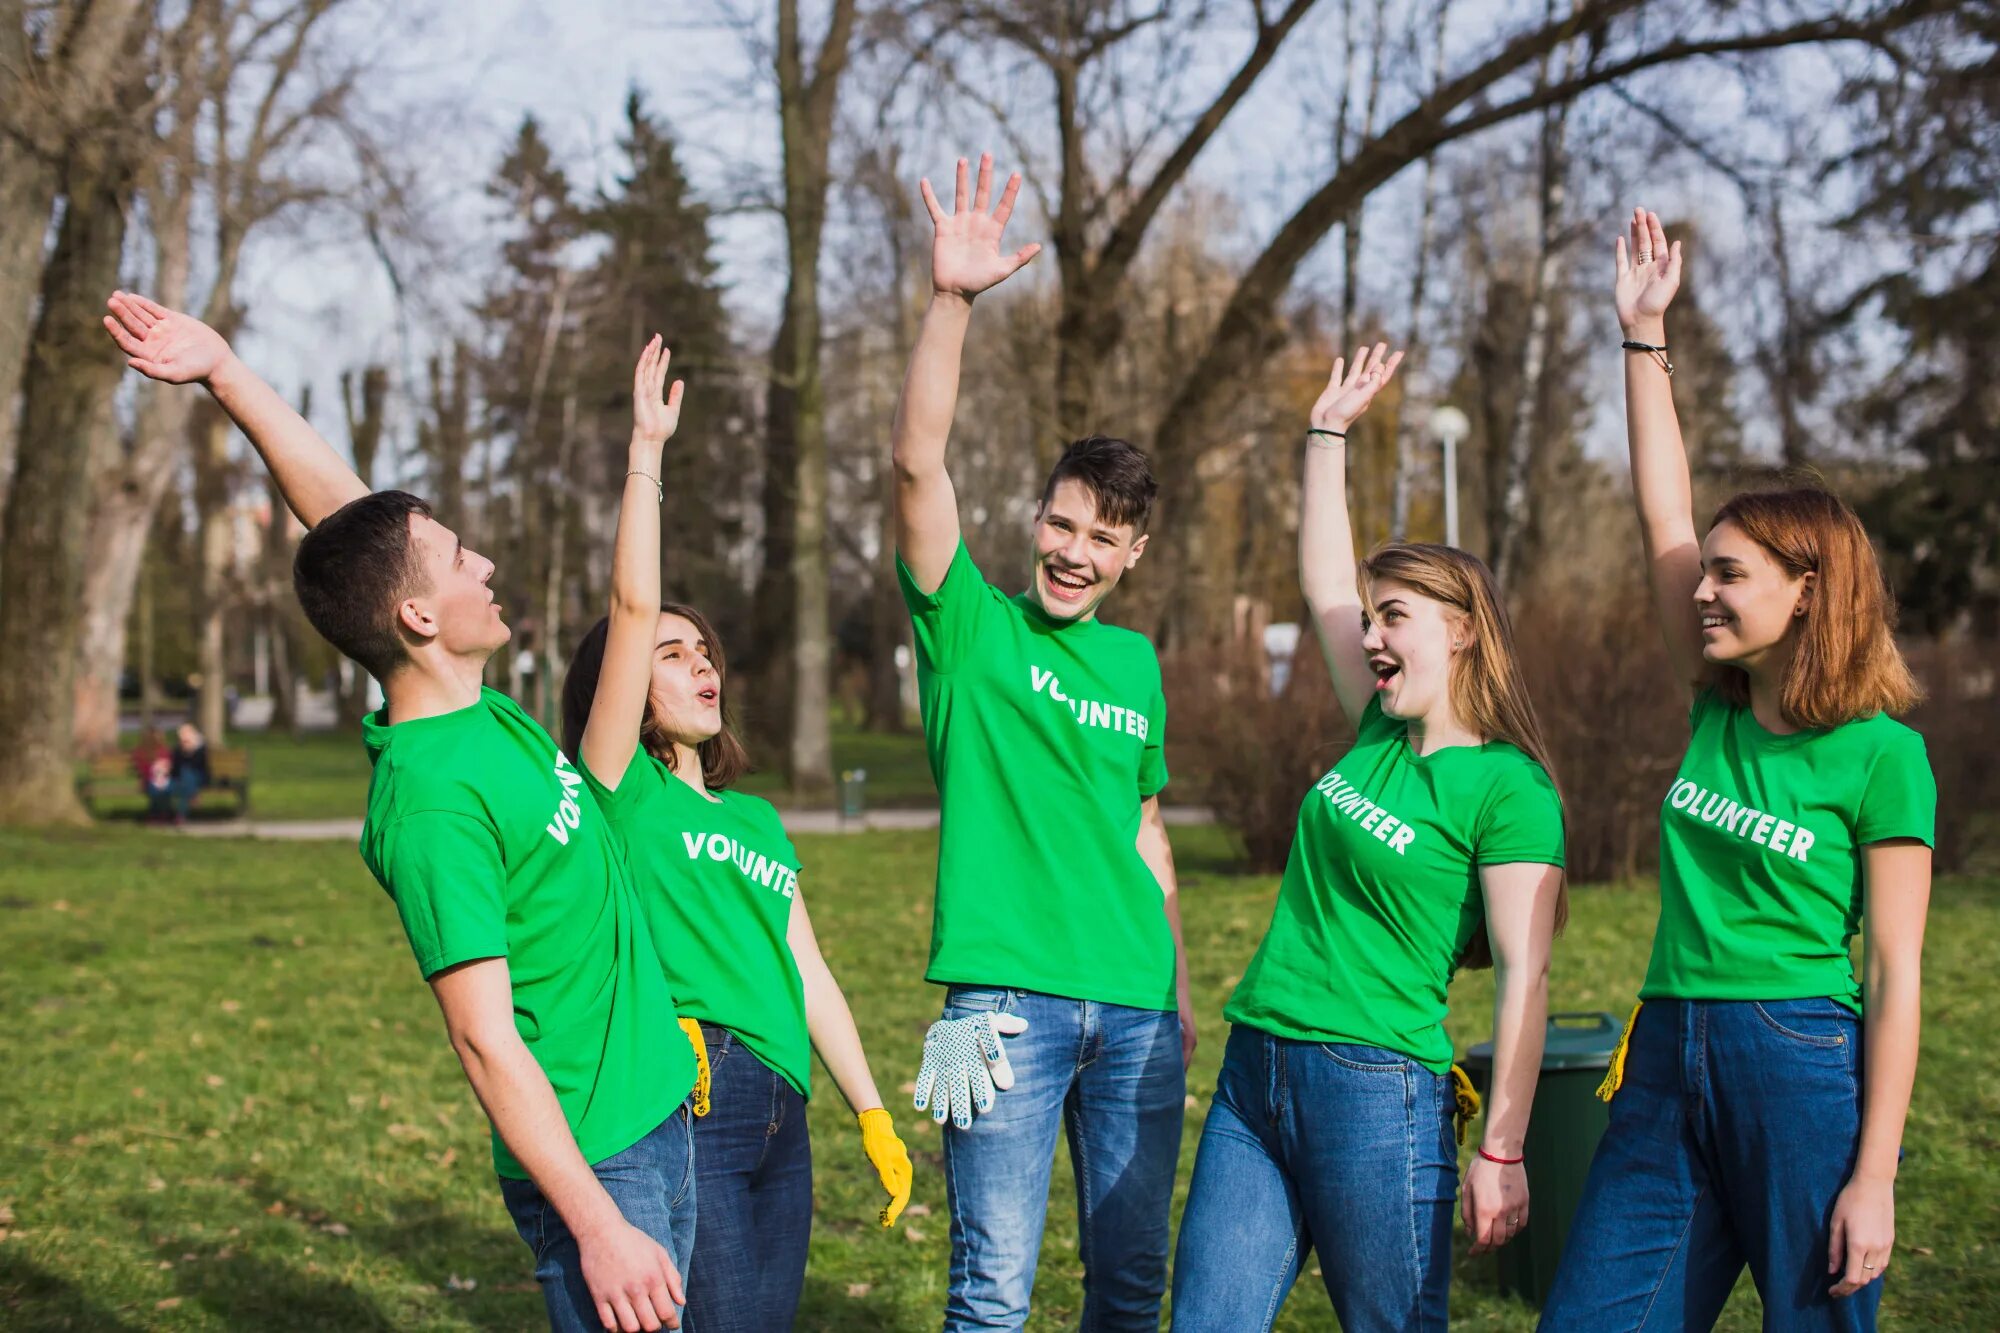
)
(59, 83)
(1479, 96)
(244, 173)
(66, 413)
(793, 607)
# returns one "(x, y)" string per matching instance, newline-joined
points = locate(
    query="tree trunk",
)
(211, 430)
(888, 619)
(1508, 537)
(806, 103)
(27, 197)
(365, 422)
(66, 410)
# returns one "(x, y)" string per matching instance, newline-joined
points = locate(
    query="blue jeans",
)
(653, 1184)
(1735, 1131)
(754, 1170)
(1347, 1150)
(1111, 1078)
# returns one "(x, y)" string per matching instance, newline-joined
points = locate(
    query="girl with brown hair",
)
(645, 712)
(1746, 1127)
(1435, 842)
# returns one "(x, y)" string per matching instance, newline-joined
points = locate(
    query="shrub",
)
(1960, 722)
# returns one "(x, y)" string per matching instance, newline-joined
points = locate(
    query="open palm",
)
(1648, 274)
(965, 256)
(1349, 390)
(163, 344)
(655, 418)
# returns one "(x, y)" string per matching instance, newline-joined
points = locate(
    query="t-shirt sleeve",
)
(947, 622)
(621, 802)
(778, 838)
(1153, 758)
(1900, 800)
(1523, 820)
(445, 873)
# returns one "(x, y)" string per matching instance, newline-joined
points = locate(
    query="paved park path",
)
(796, 821)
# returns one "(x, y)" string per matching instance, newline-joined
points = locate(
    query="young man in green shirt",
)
(1057, 923)
(513, 896)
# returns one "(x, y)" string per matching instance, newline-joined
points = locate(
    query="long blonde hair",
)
(1486, 686)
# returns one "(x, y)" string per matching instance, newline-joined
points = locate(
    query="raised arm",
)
(1327, 567)
(175, 348)
(618, 709)
(965, 261)
(632, 1279)
(1648, 277)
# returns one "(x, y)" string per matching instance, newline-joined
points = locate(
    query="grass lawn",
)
(324, 775)
(228, 1103)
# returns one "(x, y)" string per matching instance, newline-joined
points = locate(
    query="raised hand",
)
(1349, 390)
(163, 344)
(654, 419)
(1648, 274)
(965, 255)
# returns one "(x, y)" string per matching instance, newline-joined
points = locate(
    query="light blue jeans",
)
(1111, 1078)
(1735, 1130)
(1347, 1150)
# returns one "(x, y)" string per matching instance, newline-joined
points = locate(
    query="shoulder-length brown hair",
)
(723, 758)
(1488, 690)
(1845, 664)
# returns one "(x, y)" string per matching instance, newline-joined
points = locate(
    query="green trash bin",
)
(1563, 1131)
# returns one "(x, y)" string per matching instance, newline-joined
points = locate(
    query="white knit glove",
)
(963, 1064)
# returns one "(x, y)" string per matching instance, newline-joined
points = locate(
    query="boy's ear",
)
(1138, 549)
(415, 618)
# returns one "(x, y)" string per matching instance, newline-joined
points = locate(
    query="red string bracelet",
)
(1500, 1161)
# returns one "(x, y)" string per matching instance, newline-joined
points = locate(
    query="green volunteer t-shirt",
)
(491, 845)
(716, 880)
(1760, 852)
(1381, 893)
(1044, 737)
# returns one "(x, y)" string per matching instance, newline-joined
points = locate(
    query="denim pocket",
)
(1365, 1059)
(1822, 1023)
(962, 1000)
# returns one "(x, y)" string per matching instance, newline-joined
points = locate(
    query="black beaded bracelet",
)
(1658, 353)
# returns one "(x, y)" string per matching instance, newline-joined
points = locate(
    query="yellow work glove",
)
(889, 1157)
(701, 1078)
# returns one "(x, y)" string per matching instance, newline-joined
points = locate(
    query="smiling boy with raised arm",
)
(1057, 924)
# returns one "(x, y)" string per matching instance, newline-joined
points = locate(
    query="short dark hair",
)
(723, 758)
(1116, 474)
(353, 570)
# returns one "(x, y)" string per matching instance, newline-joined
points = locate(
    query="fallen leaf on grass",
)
(231, 1006)
(6, 1215)
(917, 1210)
(914, 1236)
(155, 1185)
(335, 1229)
(170, 1303)
(213, 1080)
(277, 1208)
(856, 1290)
(1924, 1250)
(457, 1283)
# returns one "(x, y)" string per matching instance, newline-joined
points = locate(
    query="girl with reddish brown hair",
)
(1746, 1126)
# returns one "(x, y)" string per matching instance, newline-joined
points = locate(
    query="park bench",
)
(228, 771)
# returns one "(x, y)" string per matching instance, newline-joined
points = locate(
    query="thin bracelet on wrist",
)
(659, 491)
(1657, 351)
(1313, 434)
(1500, 1161)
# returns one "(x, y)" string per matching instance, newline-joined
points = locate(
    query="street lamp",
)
(1450, 426)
